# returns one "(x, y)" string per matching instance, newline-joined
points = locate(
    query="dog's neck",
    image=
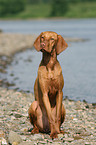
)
(49, 60)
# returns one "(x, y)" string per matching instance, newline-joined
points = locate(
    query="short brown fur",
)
(47, 112)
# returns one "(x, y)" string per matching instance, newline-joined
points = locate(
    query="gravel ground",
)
(12, 43)
(15, 128)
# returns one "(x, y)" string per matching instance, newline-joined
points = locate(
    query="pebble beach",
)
(15, 128)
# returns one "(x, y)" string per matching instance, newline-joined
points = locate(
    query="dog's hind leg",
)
(33, 117)
(38, 118)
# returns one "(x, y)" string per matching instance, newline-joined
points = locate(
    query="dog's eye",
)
(42, 38)
(52, 39)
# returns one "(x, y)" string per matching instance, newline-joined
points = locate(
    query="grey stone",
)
(42, 142)
(60, 136)
(14, 137)
(2, 134)
(36, 137)
(18, 115)
(68, 139)
(3, 141)
(28, 143)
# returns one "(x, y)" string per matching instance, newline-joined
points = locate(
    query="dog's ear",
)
(37, 43)
(61, 44)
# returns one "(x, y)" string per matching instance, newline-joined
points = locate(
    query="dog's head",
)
(48, 40)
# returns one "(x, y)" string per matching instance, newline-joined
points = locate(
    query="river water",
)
(78, 62)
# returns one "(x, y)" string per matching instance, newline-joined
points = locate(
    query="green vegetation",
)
(82, 10)
(11, 7)
(59, 7)
(39, 9)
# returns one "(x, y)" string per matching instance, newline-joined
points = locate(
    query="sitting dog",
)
(47, 112)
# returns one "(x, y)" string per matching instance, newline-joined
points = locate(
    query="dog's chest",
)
(53, 81)
(53, 87)
(53, 75)
(50, 79)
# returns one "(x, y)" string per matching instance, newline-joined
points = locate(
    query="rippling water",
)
(78, 62)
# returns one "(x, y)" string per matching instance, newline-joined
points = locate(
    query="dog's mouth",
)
(42, 50)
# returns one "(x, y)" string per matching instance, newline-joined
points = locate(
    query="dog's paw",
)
(35, 130)
(54, 135)
(62, 132)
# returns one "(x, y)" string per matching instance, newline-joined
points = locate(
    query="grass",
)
(32, 11)
(38, 11)
(78, 10)
(82, 10)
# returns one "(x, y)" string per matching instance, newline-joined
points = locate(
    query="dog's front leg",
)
(59, 98)
(48, 108)
(52, 120)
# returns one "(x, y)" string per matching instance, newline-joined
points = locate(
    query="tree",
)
(11, 6)
(59, 7)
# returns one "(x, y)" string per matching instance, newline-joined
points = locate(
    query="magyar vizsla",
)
(47, 112)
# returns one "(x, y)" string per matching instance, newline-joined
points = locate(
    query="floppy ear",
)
(37, 43)
(61, 44)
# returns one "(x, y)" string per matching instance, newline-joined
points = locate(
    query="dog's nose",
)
(42, 45)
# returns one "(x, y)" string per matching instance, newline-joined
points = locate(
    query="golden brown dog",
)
(47, 112)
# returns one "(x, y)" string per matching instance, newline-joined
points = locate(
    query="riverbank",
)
(13, 43)
(79, 125)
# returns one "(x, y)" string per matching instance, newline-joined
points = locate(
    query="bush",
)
(59, 7)
(11, 6)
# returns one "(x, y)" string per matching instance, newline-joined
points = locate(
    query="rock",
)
(42, 142)
(78, 106)
(87, 143)
(68, 139)
(2, 134)
(76, 137)
(24, 130)
(14, 143)
(14, 137)
(27, 143)
(46, 136)
(60, 136)
(18, 115)
(12, 118)
(37, 137)
(23, 137)
(65, 135)
(75, 119)
(83, 132)
(56, 143)
(3, 141)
